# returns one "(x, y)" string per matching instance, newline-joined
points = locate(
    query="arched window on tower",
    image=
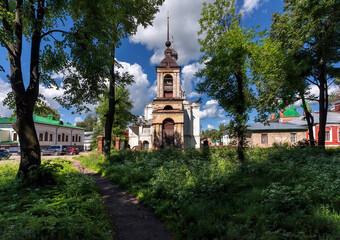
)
(168, 107)
(168, 86)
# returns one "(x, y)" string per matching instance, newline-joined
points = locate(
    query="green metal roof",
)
(5, 120)
(37, 119)
(290, 112)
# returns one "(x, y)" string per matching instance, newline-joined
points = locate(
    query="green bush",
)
(65, 206)
(278, 193)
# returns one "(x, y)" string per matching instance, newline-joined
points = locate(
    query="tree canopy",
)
(227, 47)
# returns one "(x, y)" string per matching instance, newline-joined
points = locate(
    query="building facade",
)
(170, 119)
(49, 132)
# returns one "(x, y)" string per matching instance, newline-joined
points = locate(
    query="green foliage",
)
(99, 28)
(227, 48)
(213, 133)
(66, 207)
(123, 108)
(278, 193)
(89, 122)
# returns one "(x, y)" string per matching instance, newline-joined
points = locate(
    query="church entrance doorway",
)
(145, 145)
(168, 132)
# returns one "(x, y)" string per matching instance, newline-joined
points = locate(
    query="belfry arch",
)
(168, 132)
(168, 86)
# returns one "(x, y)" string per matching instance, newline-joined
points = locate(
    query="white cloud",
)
(140, 91)
(188, 78)
(211, 110)
(210, 126)
(184, 16)
(250, 5)
(5, 88)
(78, 119)
(315, 92)
(50, 94)
(224, 121)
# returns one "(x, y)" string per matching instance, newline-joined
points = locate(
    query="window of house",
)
(327, 136)
(79, 139)
(15, 137)
(51, 137)
(63, 137)
(72, 138)
(46, 136)
(41, 136)
(146, 130)
(58, 137)
(66, 138)
(264, 138)
(293, 137)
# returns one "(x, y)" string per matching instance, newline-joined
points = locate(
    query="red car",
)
(72, 150)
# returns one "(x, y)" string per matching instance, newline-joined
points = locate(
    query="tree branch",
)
(52, 31)
(313, 82)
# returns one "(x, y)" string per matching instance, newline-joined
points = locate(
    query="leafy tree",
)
(97, 63)
(123, 115)
(280, 79)
(310, 31)
(226, 48)
(89, 122)
(35, 20)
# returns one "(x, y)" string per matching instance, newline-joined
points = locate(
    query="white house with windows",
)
(49, 132)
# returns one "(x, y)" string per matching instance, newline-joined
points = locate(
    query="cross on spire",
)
(167, 43)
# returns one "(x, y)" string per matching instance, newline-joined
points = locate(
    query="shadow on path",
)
(133, 221)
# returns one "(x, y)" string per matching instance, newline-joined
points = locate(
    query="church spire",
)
(167, 43)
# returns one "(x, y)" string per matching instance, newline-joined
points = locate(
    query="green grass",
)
(65, 205)
(279, 193)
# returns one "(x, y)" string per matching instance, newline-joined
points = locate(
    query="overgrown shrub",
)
(278, 193)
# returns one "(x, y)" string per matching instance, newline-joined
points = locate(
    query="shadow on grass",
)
(67, 207)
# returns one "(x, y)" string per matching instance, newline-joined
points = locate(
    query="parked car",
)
(54, 150)
(72, 150)
(14, 150)
(4, 154)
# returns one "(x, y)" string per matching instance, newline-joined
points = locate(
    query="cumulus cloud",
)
(78, 119)
(5, 88)
(50, 94)
(183, 27)
(140, 91)
(211, 110)
(188, 78)
(210, 126)
(224, 121)
(315, 92)
(250, 5)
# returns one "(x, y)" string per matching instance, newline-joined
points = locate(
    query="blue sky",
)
(139, 54)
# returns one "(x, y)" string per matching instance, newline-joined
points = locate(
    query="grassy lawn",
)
(279, 193)
(65, 205)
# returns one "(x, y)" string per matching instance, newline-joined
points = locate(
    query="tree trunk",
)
(29, 144)
(323, 104)
(240, 110)
(112, 107)
(310, 120)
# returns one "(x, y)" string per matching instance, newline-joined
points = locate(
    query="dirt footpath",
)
(132, 220)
